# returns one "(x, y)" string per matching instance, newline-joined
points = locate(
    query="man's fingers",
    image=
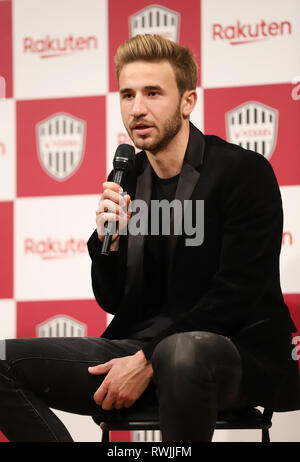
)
(128, 202)
(99, 395)
(110, 211)
(100, 368)
(128, 403)
(109, 205)
(112, 185)
(117, 196)
(108, 402)
(118, 404)
(106, 217)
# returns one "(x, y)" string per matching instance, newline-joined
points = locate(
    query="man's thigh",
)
(56, 369)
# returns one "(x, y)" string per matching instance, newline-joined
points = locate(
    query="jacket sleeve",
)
(252, 236)
(107, 271)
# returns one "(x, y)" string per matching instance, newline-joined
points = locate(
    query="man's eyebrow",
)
(147, 87)
(125, 90)
(153, 87)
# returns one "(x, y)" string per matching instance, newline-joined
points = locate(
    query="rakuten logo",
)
(239, 33)
(287, 238)
(50, 249)
(296, 89)
(52, 47)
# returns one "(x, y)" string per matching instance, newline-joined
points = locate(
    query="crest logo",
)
(61, 326)
(60, 144)
(155, 19)
(253, 126)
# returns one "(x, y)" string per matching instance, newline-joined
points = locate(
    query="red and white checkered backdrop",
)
(60, 125)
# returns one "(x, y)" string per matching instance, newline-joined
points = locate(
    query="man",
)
(197, 328)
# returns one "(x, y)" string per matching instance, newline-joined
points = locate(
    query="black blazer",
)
(230, 283)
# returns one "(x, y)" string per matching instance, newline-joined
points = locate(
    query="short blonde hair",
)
(150, 47)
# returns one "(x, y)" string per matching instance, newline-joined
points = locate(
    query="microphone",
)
(123, 162)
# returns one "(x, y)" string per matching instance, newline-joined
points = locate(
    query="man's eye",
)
(127, 96)
(153, 93)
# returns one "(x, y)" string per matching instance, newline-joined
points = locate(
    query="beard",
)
(169, 130)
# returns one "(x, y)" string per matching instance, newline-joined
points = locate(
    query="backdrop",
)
(60, 125)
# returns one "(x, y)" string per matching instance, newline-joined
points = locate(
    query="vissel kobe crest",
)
(61, 326)
(253, 126)
(60, 144)
(155, 19)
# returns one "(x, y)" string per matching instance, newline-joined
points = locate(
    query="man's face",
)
(150, 104)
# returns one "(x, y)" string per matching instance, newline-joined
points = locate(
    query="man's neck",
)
(168, 162)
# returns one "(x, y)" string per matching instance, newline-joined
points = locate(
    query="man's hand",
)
(126, 380)
(112, 207)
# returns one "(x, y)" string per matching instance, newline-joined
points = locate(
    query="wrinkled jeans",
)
(196, 375)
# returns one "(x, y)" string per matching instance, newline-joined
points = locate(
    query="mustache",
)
(136, 122)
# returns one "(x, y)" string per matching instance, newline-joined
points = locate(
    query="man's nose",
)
(139, 107)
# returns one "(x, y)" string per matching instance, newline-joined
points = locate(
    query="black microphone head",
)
(124, 157)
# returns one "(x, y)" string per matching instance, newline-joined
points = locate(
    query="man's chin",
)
(143, 144)
(147, 143)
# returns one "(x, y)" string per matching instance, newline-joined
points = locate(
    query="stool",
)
(127, 419)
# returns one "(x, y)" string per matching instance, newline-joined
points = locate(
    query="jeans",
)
(196, 375)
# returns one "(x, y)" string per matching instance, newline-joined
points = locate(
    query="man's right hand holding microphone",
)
(113, 206)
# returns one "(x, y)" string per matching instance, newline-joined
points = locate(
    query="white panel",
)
(285, 427)
(7, 318)
(81, 428)
(231, 57)
(7, 149)
(51, 257)
(60, 48)
(197, 114)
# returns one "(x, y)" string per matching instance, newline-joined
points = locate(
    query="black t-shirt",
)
(154, 315)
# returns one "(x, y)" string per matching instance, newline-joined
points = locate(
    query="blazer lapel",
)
(135, 250)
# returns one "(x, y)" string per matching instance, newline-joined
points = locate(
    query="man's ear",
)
(188, 102)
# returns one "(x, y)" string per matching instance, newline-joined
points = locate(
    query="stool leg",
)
(265, 436)
(105, 436)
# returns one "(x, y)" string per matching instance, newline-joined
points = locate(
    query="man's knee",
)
(197, 364)
(177, 355)
(193, 351)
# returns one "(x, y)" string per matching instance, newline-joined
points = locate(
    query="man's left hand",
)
(126, 380)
